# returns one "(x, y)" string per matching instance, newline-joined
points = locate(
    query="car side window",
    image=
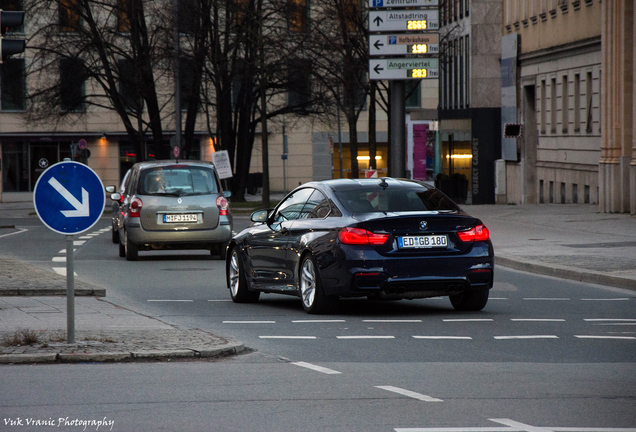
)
(317, 206)
(292, 207)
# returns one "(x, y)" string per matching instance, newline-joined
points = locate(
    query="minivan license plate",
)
(172, 218)
(417, 242)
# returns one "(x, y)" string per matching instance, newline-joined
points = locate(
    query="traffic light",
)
(9, 47)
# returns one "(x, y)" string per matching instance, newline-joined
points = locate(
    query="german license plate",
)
(173, 218)
(419, 242)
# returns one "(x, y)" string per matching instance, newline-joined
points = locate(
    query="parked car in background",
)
(116, 207)
(378, 238)
(170, 205)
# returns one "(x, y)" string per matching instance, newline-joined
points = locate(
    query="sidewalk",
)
(571, 241)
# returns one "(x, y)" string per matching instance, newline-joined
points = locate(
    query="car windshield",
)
(394, 199)
(177, 181)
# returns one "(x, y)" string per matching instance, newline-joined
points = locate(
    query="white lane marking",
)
(497, 298)
(605, 299)
(63, 251)
(538, 319)
(249, 322)
(14, 233)
(319, 321)
(468, 320)
(61, 271)
(85, 237)
(521, 426)
(546, 299)
(365, 337)
(288, 337)
(392, 321)
(609, 319)
(158, 300)
(605, 337)
(78, 242)
(443, 337)
(104, 230)
(317, 368)
(410, 394)
(616, 324)
(59, 259)
(226, 300)
(528, 337)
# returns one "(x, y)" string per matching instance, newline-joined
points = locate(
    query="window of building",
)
(187, 81)
(467, 65)
(461, 72)
(299, 86)
(553, 106)
(297, 15)
(543, 106)
(466, 3)
(352, 11)
(69, 16)
(239, 11)
(588, 102)
(456, 52)
(413, 94)
(187, 16)
(128, 87)
(577, 103)
(565, 105)
(13, 85)
(123, 15)
(72, 79)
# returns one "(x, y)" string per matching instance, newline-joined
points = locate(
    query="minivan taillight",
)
(359, 236)
(479, 233)
(135, 208)
(223, 205)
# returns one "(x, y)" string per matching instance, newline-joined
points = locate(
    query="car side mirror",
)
(227, 194)
(259, 216)
(111, 189)
(115, 196)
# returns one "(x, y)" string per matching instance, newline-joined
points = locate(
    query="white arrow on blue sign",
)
(69, 198)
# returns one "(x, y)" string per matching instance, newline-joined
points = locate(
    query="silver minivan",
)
(170, 205)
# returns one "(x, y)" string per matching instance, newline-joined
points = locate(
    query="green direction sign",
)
(403, 68)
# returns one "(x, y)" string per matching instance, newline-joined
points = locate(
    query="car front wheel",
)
(236, 281)
(470, 300)
(312, 294)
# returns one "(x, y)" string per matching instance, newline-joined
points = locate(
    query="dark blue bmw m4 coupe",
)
(378, 238)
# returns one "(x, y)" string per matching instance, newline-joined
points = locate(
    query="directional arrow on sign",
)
(82, 209)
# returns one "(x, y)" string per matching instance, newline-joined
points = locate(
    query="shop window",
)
(15, 170)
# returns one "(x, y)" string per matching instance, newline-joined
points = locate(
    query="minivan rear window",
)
(177, 180)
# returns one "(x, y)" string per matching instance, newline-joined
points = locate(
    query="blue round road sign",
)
(69, 197)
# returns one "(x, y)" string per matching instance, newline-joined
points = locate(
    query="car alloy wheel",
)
(311, 291)
(236, 281)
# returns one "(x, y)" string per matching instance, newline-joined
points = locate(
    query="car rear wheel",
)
(236, 280)
(122, 249)
(132, 252)
(470, 300)
(312, 294)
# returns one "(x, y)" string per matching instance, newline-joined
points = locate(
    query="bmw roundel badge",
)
(423, 225)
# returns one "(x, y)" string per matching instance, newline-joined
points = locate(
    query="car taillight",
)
(223, 205)
(479, 233)
(135, 207)
(359, 236)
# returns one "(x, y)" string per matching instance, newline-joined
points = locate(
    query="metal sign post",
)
(69, 199)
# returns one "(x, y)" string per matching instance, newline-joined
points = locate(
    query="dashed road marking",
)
(606, 299)
(288, 337)
(468, 320)
(546, 299)
(169, 301)
(319, 321)
(392, 321)
(410, 394)
(605, 337)
(537, 319)
(527, 337)
(249, 322)
(444, 337)
(317, 368)
(365, 337)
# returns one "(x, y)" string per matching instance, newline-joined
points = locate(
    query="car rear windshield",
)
(376, 199)
(177, 180)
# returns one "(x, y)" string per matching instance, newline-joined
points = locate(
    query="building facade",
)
(470, 98)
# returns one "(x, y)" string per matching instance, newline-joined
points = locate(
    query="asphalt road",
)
(545, 353)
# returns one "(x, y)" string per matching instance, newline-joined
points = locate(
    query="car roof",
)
(170, 162)
(348, 184)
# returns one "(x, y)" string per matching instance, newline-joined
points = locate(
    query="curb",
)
(199, 352)
(586, 276)
(51, 292)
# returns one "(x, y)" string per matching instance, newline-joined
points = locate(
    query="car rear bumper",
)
(185, 239)
(364, 272)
